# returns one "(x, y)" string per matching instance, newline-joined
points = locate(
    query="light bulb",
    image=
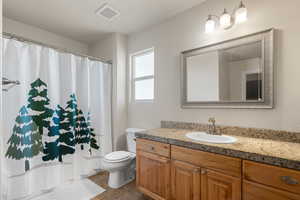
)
(210, 25)
(225, 20)
(241, 14)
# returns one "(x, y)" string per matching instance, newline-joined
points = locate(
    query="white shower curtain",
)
(57, 122)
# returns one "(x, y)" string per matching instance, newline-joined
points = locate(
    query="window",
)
(143, 75)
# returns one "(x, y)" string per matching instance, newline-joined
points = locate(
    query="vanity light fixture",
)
(241, 14)
(227, 20)
(210, 25)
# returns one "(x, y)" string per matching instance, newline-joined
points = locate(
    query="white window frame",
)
(133, 79)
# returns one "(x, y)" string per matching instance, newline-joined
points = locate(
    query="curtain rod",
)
(23, 39)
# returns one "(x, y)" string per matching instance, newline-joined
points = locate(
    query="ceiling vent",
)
(107, 12)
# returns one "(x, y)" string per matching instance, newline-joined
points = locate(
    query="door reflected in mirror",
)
(232, 74)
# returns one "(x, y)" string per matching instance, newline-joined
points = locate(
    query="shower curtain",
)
(57, 122)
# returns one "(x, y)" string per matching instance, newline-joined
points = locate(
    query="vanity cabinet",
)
(220, 176)
(170, 172)
(153, 169)
(218, 186)
(276, 177)
(266, 182)
(153, 175)
(254, 191)
(185, 181)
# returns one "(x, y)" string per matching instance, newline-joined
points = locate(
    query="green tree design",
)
(61, 135)
(92, 135)
(77, 121)
(71, 112)
(81, 130)
(26, 141)
(38, 102)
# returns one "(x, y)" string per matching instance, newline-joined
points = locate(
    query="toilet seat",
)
(117, 156)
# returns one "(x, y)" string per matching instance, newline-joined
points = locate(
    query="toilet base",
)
(120, 173)
(119, 178)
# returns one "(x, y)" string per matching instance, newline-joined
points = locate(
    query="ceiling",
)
(76, 19)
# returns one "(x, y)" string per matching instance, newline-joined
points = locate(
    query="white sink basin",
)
(204, 137)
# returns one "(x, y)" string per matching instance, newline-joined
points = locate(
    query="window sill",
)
(142, 101)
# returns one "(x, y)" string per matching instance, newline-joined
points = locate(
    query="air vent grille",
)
(107, 12)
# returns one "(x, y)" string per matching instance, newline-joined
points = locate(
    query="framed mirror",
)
(236, 73)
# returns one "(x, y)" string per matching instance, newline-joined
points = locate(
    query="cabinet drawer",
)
(158, 148)
(254, 191)
(228, 165)
(277, 177)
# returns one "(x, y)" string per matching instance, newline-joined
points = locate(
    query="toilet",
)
(121, 164)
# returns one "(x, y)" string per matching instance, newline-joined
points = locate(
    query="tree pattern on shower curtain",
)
(61, 135)
(78, 122)
(26, 141)
(38, 102)
(66, 128)
(92, 135)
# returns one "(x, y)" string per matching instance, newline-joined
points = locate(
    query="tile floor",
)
(127, 192)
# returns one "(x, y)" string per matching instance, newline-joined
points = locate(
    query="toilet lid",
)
(117, 156)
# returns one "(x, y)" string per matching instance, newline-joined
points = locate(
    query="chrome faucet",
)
(212, 127)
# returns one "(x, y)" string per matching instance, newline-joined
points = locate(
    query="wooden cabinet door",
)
(185, 181)
(217, 186)
(153, 175)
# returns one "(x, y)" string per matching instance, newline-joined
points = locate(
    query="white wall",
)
(2, 181)
(104, 48)
(224, 77)
(40, 35)
(121, 104)
(114, 48)
(186, 31)
(203, 77)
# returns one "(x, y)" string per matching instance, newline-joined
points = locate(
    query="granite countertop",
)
(283, 154)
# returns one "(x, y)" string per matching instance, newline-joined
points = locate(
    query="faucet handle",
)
(212, 120)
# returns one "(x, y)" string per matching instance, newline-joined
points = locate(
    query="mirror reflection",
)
(233, 74)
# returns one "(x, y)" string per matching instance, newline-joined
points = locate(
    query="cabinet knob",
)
(289, 180)
(152, 148)
(203, 171)
(197, 170)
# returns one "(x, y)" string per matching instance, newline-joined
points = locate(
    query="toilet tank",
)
(131, 144)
